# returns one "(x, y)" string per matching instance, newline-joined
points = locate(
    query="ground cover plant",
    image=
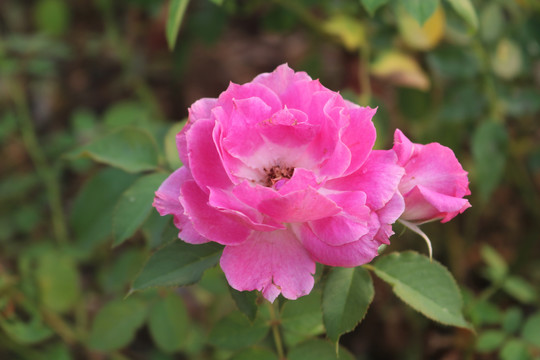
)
(93, 95)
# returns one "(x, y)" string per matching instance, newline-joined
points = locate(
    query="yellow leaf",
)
(348, 29)
(507, 60)
(400, 69)
(424, 37)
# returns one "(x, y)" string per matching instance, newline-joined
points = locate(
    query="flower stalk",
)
(417, 230)
(44, 170)
(274, 322)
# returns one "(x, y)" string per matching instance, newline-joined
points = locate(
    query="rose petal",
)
(434, 183)
(204, 161)
(348, 255)
(281, 78)
(166, 202)
(359, 136)
(200, 110)
(423, 204)
(227, 203)
(338, 230)
(389, 215)
(271, 262)
(432, 166)
(246, 91)
(243, 120)
(208, 221)
(378, 177)
(299, 206)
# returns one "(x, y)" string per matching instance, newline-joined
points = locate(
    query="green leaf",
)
(235, 331)
(520, 289)
(171, 151)
(255, 354)
(134, 206)
(483, 312)
(531, 329)
(461, 104)
(490, 340)
(512, 320)
(427, 287)
(123, 269)
(246, 301)
(496, 263)
(420, 10)
(159, 230)
(514, 349)
(346, 298)
(320, 350)
(116, 323)
(52, 16)
(492, 22)
(169, 323)
(447, 61)
(466, 10)
(26, 332)
(214, 281)
(130, 149)
(126, 113)
(177, 264)
(58, 281)
(56, 352)
(489, 150)
(302, 318)
(372, 5)
(92, 211)
(177, 8)
(195, 340)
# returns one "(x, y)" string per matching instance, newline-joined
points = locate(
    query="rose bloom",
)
(282, 172)
(434, 183)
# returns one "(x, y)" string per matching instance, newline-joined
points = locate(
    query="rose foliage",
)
(282, 171)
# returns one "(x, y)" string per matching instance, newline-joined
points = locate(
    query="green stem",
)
(22, 351)
(416, 229)
(43, 169)
(363, 75)
(275, 330)
(140, 87)
(369, 267)
(495, 111)
(59, 326)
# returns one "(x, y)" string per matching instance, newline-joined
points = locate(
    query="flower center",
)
(276, 175)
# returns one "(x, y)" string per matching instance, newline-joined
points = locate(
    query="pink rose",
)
(281, 171)
(434, 183)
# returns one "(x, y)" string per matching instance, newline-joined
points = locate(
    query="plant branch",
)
(417, 230)
(275, 331)
(363, 75)
(43, 169)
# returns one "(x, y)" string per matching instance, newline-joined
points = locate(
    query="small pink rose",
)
(281, 171)
(434, 183)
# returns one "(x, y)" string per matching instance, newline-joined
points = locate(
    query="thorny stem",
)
(417, 230)
(44, 170)
(275, 330)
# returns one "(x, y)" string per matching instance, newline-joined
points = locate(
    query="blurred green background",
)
(74, 71)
